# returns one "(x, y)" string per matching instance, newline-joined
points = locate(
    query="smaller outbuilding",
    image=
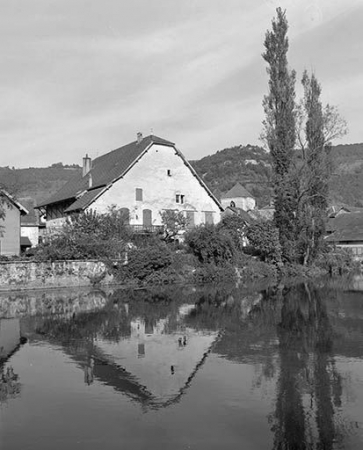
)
(238, 197)
(345, 230)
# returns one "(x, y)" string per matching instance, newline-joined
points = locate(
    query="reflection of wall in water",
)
(9, 336)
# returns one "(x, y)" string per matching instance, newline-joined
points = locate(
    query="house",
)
(143, 178)
(10, 225)
(32, 224)
(345, 230)
(238, 197)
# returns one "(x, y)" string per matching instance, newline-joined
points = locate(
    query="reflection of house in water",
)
(153, 365)
(162, 363)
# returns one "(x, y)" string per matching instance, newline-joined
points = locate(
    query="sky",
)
(84, 76)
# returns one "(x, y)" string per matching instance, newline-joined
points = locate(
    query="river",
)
(213, 367)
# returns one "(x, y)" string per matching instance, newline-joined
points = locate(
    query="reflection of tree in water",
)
(308, 383)
(309, 388)
(9, 383)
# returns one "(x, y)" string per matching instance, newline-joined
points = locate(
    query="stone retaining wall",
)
(17, 275)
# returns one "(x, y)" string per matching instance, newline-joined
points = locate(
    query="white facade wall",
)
(55, 225)
(159, 189)
(245, 203)
(31, 232)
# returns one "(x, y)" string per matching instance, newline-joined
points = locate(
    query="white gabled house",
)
(145, 178)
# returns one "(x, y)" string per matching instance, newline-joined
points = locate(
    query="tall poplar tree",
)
(314, 187)
(280, 131)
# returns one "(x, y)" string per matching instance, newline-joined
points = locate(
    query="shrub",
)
(210, 273)
(88, 235)
(210, 245)
(144, 262)
(263, 238)
(337, 260)
(235, 226)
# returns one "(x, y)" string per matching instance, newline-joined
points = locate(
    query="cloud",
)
(86, 75)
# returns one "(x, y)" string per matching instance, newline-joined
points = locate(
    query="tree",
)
(174, 222)
(320, 126)
(313, 198)
(263, 237)
(300, 180)
(280, 130)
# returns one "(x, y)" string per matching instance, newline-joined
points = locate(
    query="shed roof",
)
(237, 191)
(239, 212)
(25, 241)
(85, 200)
(346, 227)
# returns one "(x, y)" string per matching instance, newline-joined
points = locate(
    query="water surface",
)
(183, 368)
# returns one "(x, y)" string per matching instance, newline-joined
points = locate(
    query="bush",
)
(144, 262)
(210, 273)
(235, 226)
(337, 260)
(210, 245)
(264, 240)
(87, 236)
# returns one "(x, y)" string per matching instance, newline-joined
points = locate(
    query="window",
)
(168, 172)
(179, 198)
(208, 217)
(138, 195)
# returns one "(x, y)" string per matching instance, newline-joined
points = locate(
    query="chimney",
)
(87, 162)
(90, 182)
(139, 137)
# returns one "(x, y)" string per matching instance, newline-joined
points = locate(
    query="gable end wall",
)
(159, 190)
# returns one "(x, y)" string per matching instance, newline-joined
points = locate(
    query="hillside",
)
(346, 186)
(249, 165)
(36, 183)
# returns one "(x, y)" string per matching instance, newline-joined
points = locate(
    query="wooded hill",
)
(250, 165)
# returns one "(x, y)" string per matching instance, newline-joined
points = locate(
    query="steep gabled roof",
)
(105, 169)
(237, 191)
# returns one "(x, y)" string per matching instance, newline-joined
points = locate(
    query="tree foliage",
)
(210, 245)
(300, 179)
(174, 223)
(314, 175)
(88, 235)
(263, 237)
(235, 226)
(280, 129)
